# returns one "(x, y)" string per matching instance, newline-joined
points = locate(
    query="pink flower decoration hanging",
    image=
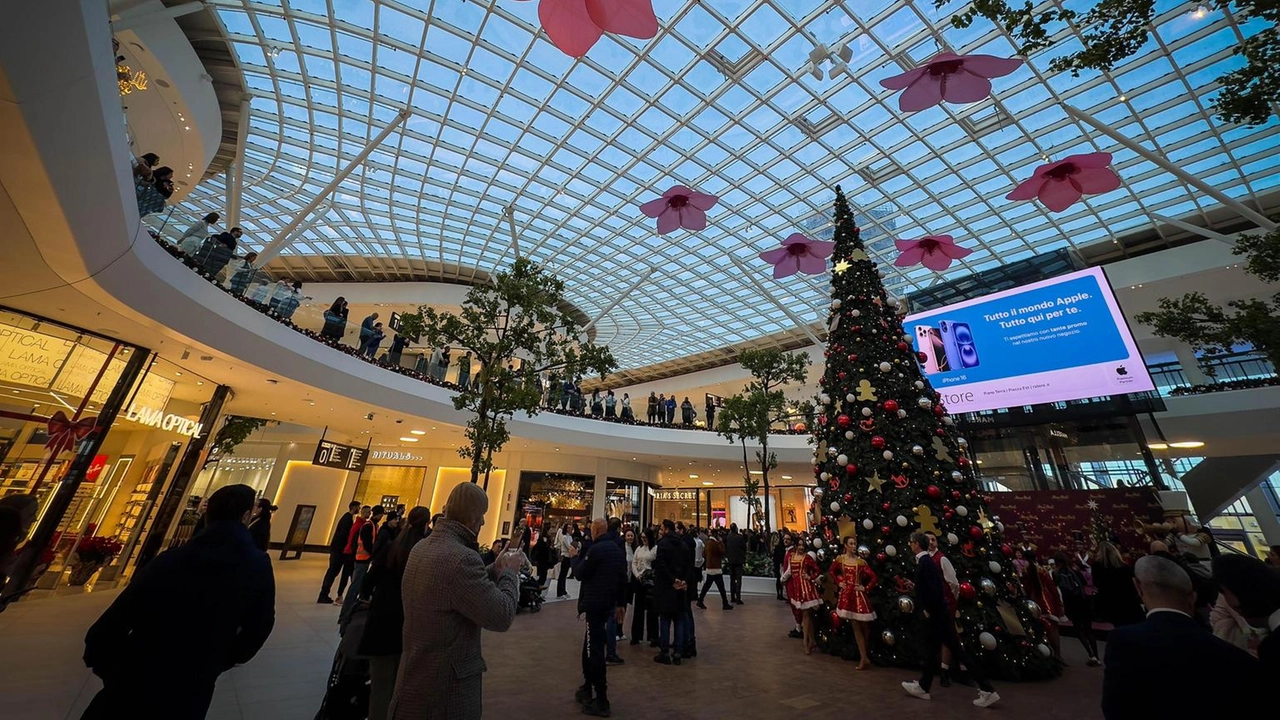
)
(680, 207)
(958, 79)
(934, 252)
(575, 25)
(1059, 185)
(799, 254)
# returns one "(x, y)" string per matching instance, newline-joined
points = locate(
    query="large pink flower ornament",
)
(799, 254)
(1059, 185)
(949, 77)
(680, 207)
(575, 25)
(934, 252)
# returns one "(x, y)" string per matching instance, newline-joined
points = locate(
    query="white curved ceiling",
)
(719, 101)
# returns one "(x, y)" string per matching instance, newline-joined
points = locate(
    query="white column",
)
(1265, 514)
(235, 171)
(599, 495)
(1190, 365)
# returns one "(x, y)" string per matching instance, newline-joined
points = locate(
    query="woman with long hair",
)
(800, 575)
(855, 578)
(1040, 587)
(335, 320)
(381, 642)
(1117, 599)
(1076, 604)
(644, 618)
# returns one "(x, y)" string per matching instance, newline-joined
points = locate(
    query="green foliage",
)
(516, 320)
(747, 416)
(1214, 329)
(235, 430)
(1114, 30)
(758, 564)
(866, 412)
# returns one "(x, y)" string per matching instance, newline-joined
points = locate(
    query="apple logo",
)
(1121, 370)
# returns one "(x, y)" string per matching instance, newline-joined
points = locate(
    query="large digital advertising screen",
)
(1054, 340)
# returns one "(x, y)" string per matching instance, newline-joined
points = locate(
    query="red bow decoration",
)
(64, 434)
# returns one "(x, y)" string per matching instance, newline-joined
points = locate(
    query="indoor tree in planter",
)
(750, 414)
(1214, 329)
(517, 328)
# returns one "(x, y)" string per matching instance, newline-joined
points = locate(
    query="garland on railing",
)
(1246, 384)
(408, 372)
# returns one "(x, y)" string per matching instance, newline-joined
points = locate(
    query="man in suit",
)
(602, 570)
(938, 630)
(449, 597)
(735, 556)
(1147, 664)
(338, 553)
(187, 617)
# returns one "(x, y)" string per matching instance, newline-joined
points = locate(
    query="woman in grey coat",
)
(449, 596)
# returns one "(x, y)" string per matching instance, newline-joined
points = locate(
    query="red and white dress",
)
(1046, 596)
(801, 579)
(853, 603)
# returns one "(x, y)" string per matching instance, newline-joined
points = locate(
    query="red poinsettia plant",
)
(98, 550)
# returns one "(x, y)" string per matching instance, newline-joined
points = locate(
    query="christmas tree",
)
(888, 463)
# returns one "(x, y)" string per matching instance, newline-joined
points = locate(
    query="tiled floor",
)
(746, 668)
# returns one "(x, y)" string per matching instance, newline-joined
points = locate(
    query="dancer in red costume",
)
(801, 579)
(855, 578)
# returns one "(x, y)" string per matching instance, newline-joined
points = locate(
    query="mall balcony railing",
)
(1233, 371)
(283, 300)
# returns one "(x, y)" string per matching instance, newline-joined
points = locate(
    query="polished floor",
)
(747, 668)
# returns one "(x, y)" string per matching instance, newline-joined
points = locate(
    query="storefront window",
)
(550, 500)
(623, 500)
(53, 383)
(391, 485)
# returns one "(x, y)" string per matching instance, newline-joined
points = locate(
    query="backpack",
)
(1069, 583)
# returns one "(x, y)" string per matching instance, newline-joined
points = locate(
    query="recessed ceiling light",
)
(433, 428)
(273, 414)
(786, 477)
(707, 482)
(1187, 444)
(756, 472)
(417, 432)
(199, 382)
(1158, 446)
(693, 477)
(178, 373)
(408, 439)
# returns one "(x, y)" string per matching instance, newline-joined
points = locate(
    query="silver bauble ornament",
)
(925, 403)
(850, 398)
(866, 412)
(817, 542)
(917, 449)
(888, 637)
(946, 420)
(919, 384)
(855, 312)
(890, 550)
(818, 493)
(824, 398)
(824, 476)
(864, 551)
(999, 526)
(842, 459)
(832, 451)
(888, 455)
(956, 475)
(835, 506)
(901, 520)
(906, 605)
(901, 413)
(836, 303)
(1044, 650)
(867, 524)
(987, 586)
(1031, 608)
(962, 511)
(995, 567)
(952, 539)
(962, 442)
(848, 434)
(987, 640)
(885, 367)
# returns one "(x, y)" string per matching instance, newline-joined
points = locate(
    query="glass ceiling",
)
(720, 101)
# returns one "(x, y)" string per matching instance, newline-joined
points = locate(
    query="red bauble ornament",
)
(853, 357)
(948, 515)
(955, 495)
(851, 469)
(934, 492)
(843, 420)
(922, 357)
(877, 442)
(940, 432)
(848, 498)
(1006, 549)
(966, 591)
(939, 410)
(962, 461)
(881, 558)
(884, 529)
(975, 532)
(856, 328)
(843, 375)
(891, 406)
(885, 507)
(902, 347)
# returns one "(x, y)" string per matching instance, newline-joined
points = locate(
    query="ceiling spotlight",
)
(1185, 444)
(786, 477)
(408, 439)
(707, 482)
(417, 432)
(693, 477)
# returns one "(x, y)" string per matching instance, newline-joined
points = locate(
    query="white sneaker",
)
(987, 699)
(621, 638)
(913, 689)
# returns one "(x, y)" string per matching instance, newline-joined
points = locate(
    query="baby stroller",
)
(530, 594)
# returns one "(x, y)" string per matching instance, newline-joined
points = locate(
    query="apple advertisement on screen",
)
(1054, 340)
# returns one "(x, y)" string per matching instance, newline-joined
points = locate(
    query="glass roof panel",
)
(720, 100)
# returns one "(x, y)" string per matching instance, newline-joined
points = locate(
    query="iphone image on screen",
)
(930, 343)
(960, 347)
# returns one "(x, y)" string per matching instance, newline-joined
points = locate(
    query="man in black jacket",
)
(671, 567)
(1146, 662)
(688, 645)
(735, 556)
(938, 630)
(602, 571)
(337, 553)
(190, 615)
